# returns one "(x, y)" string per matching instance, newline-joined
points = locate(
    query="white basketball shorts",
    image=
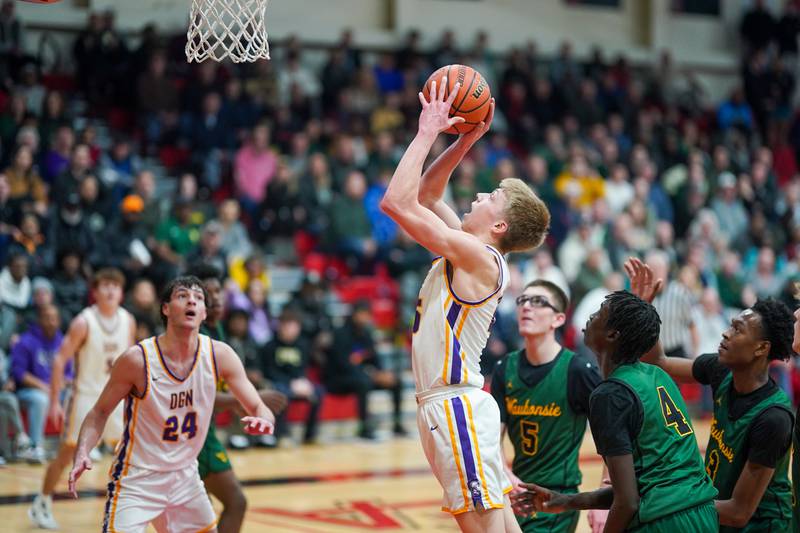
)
(174, 502)
(78, 406)
(460, 432)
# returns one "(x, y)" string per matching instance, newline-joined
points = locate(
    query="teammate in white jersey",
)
(169, 384)
(459, 423)
(95, 338)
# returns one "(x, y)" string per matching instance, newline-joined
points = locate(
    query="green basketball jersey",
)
(544, 429)
(667, 461)
(725, 457)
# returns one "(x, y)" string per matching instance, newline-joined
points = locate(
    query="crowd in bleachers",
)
(273, 172)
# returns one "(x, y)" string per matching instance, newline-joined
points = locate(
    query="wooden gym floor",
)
(330, 488)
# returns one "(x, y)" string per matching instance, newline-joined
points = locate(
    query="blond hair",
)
(527, 216)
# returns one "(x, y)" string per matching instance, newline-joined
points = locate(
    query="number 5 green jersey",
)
(544, 429)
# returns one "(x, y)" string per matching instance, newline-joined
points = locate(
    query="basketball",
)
(472, 101)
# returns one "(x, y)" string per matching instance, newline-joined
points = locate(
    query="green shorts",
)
(213, 458)
(549, 523)
(699, 519)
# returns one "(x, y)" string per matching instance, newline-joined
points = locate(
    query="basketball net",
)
(232, 29)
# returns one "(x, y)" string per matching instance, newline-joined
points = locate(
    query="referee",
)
(674, 306)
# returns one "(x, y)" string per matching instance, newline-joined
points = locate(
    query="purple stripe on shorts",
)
(466, 452)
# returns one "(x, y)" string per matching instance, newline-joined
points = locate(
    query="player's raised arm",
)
(647, 288)
(401, 201)
(434, 180)
(73, 340)
(261, 420)
(127, 376)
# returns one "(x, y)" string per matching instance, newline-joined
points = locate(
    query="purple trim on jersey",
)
(466, 452)
(164, 362)
(120, 461)
(447, 276)
(455, 354)
(146, 373)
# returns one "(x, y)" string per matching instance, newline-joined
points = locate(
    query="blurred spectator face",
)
(730, 264)
(289, 329)
(187, 188)
(18, 268)
(145, 184)
(318, 165)
(28, 136)
(158, 65)
(256, 293)
(233, 89)
(504, 169)
(121, 150)
(619, 174)
(766, 261)
(143, 295)
(71, 263)
(42, 296)
(49, 320)
(183, 212)
(54, 104)
(537, 317)
(212, 102)
(5, 190)
(215, 305)
(211, 239)
(659, 264)
(362, 316)
(664, 234)
(710, 301)
(89, 190)
(261, 137)
(64, 140)
(229, 211)
(238, 324)
(594, 260)
(81, 158)
(254, 266)
(543, 259)
(614, 281)
(29, 226)
(23, 159)
(356, 185)
(107, 293)
(537, 169)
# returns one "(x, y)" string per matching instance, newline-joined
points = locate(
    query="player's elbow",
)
(629, 504)
(389, 205)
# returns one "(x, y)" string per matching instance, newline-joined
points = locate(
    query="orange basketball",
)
(472, 100)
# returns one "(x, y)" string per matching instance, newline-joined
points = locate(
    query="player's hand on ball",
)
(468, 139)
(254, 425)
(82, 463)
(597, 519)
(435, 116)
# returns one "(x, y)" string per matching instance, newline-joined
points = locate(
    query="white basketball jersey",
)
(165, 428)
(106, 339)
(449, 333)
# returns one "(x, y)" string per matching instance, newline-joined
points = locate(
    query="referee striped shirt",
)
(674, 306)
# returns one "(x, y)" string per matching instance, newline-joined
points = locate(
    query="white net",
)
(233, 29)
